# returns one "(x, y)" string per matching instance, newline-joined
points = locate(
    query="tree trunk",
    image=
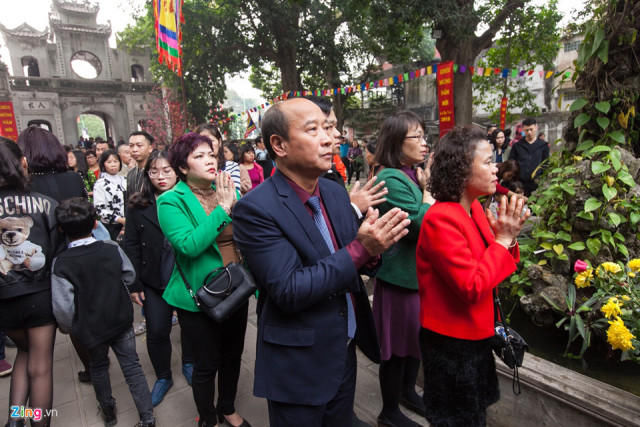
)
(461, 53)
(463, 98)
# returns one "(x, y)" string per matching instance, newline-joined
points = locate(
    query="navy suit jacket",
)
(301, 347)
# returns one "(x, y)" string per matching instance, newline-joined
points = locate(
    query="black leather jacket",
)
(29, 239)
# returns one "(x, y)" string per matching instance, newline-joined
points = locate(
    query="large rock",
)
(632, 163)
(544, 284)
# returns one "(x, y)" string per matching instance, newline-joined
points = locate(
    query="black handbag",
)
(509, 346)
(224, 291)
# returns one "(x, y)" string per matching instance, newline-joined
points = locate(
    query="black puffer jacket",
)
(29, 239)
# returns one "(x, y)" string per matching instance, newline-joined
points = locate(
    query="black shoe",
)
(414, 403)
(202, 423)
(396, 419)
(147, 424)
(109, 414)
(84, 376)
(223, 421)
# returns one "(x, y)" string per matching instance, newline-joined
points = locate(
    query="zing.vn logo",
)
(36, 414)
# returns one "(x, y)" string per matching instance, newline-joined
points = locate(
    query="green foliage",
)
(588, 201)
(93, 124)
(531, 37)
(209, 52)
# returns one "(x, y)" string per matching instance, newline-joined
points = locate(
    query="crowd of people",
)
(89, 230)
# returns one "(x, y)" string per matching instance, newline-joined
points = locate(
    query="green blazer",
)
(399, 261)
(192, 234)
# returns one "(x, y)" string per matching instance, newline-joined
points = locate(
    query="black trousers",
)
(337, 412)
(217, 349)
(158, 314)
(114, 230)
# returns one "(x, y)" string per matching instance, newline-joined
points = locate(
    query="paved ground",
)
(76, 404)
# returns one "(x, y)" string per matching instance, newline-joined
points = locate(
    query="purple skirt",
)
(396, 313)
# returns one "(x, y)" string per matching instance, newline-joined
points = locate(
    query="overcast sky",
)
(120, 13)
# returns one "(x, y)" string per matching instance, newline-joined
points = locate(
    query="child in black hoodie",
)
(90, 300)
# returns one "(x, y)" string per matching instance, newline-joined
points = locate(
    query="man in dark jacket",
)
(529, 152)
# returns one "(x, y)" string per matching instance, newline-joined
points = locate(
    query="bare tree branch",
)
(485, 39)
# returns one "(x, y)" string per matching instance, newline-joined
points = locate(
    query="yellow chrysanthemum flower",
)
(583, 279)
(610, 267)
(619, 336)
(634, 265)
(612, 308)
(626, 297)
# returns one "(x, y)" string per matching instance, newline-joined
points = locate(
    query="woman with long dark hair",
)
(50, 175)
(501, 149)
(30, 239)
(462, 255)
(396, 304)
(195, 216)
(152, 259)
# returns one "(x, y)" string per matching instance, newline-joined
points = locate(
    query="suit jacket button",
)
(144, 244)
(342, 313)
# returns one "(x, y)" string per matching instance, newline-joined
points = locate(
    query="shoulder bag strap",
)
(186, 283)
(497, 309)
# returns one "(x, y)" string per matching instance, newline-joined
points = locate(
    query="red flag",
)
(445, 96)
(503, 112)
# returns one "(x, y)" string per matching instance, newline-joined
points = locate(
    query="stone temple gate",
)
(69, 69)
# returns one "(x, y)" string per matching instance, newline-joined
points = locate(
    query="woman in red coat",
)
(462, 255)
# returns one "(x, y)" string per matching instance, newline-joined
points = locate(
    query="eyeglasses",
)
(157, 173)
(418, 137)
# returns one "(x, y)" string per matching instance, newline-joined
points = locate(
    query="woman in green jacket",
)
(396, 304)
(195, 217)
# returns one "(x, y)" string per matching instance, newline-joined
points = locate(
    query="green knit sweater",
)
(399, 262)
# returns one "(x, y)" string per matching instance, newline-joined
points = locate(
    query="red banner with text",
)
(503, 112)
(445, 97)
(8, 127)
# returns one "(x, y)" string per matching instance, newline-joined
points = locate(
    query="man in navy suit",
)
(304, 246)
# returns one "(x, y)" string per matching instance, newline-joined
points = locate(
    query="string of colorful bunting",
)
(403, 77)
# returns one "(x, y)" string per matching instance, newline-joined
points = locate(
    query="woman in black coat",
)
(152, 258)
(50, 175)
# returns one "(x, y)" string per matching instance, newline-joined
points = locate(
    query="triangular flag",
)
(487, 72)
(549, 74)
(250, 127)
